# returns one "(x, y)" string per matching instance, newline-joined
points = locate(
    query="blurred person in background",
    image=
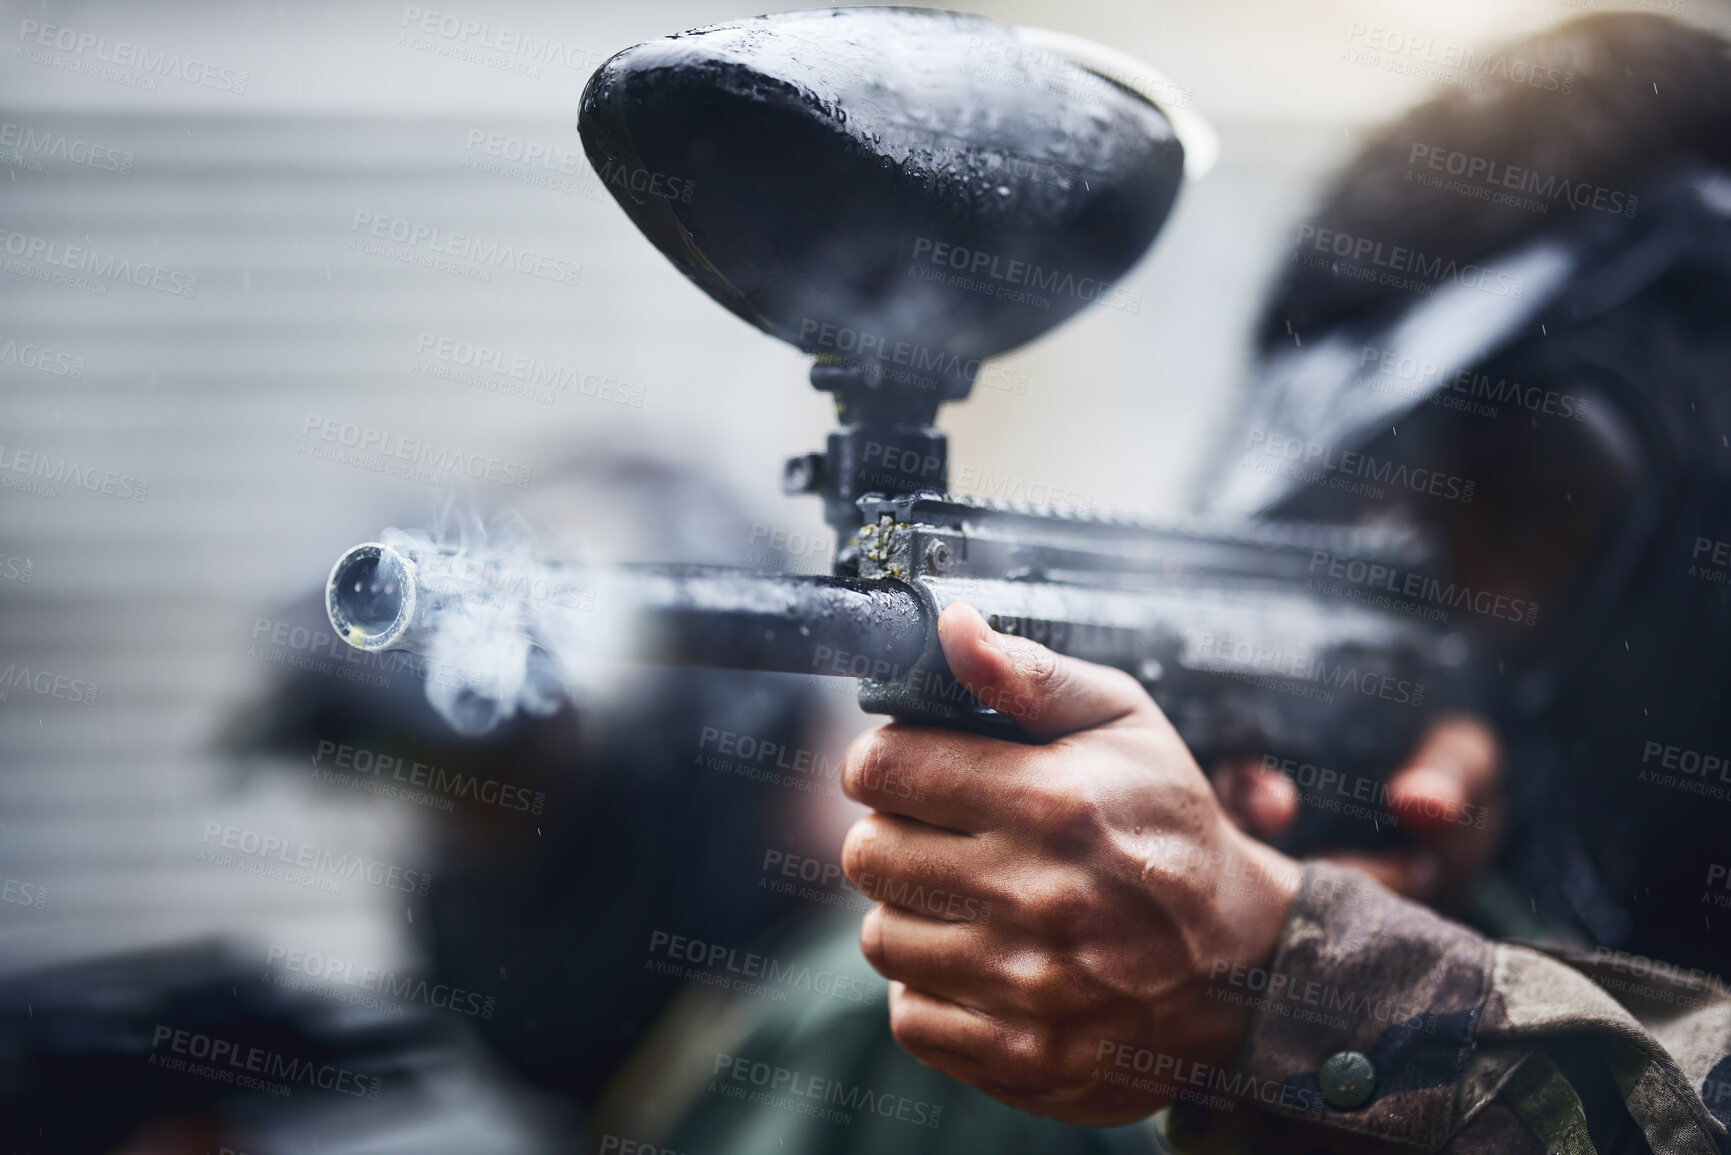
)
(617, 830)
(1537, 381)
(562, 846)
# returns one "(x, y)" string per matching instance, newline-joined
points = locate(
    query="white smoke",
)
(503, 631)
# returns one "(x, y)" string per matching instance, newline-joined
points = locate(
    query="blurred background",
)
(154, 602)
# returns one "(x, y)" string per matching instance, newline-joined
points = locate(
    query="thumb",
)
(1048, 694)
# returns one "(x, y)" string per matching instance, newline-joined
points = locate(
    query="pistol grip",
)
(935, 698)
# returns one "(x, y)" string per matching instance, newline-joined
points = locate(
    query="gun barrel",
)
(797, 624)
(379, 597)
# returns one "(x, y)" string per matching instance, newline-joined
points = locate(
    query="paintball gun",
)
(904, 194)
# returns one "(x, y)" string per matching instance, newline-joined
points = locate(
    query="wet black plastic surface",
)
(911, 187)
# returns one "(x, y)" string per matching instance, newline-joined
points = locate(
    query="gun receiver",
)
(830, 154)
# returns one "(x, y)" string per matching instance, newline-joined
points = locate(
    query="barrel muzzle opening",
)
(370, 596)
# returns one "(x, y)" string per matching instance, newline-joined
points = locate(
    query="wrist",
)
(1254, 892)
(1257, 894)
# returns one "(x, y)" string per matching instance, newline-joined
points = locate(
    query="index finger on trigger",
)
(944, 777)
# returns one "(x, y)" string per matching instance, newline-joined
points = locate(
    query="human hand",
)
(1446, 798)
(1106, 883)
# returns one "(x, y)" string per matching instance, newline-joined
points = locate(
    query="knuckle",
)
(1040, 981)
(1046, 675)
(907, 1027)
(1042, 667)
(857, 848)
(871, 939)
(869, 753)
(1028, 1056)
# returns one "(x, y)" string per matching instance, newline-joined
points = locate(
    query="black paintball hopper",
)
(901, 191)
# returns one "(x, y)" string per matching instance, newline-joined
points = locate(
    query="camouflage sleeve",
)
(1379, 1017)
